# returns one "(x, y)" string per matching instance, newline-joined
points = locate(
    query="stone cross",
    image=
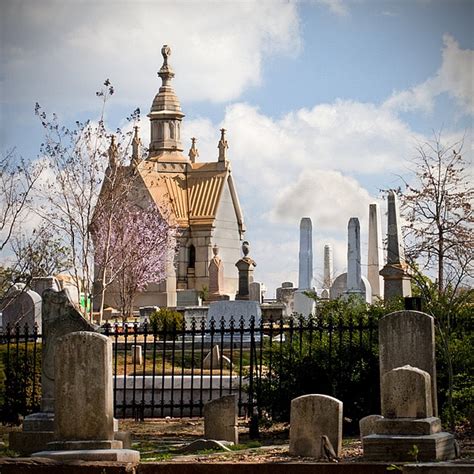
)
(353, 257)
(374, 255)
(328, 267)
(305, 275)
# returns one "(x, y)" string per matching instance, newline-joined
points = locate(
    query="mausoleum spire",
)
(136, 146)
(193, 151)
(223, 146)
(113, 153)
(166, 116)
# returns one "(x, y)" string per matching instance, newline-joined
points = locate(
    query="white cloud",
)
(338, 7)
(455, 77)
(72, 46)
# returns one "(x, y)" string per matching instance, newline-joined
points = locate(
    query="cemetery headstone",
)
(245, 266)
(137, 354)
(311, 418)
(23, 307)
(216, 275)
(214, 359)
(39, 284)
(84, 422)
(406, 393)
(220, 419)
(408, 338)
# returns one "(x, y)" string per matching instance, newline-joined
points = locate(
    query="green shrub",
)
(166, 320)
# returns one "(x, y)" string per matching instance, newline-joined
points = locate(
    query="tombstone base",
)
(393, 448)
(407, 426)
(118, 455)
(85, 445)
(28, 442)
(41, 421)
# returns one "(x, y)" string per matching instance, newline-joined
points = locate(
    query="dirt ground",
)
(157, 439)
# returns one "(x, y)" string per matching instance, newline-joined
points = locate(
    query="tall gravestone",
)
(408, 338)
(353, 257)
(397, 281)
(59, 317)
(305, 273)
(216, 276)
(84, 411)
(328, 267)
(408, 393)
(220, 419)
(302, 304)
(374, 254)
(245, 267)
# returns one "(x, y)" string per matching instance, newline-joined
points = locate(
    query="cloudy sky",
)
(324, 101)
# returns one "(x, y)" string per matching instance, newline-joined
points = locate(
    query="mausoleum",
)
(199, 197)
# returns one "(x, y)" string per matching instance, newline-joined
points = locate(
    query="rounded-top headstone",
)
(314, 416)
(287, 284)
(406, 393)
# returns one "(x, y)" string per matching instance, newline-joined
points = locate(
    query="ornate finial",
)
(136, 145)
(245, 248)
(166, 71)
(215, 250)
(193, 151)
(113, 153)
(222, 146)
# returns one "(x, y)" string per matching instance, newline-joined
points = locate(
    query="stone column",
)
(305, 275)
(245, 267)
(353, 257)
(374, 255)
(397, 281)
(328, 267)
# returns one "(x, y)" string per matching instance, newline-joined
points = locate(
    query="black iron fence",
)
(173, 371)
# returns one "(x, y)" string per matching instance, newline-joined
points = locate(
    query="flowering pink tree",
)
(133, 250)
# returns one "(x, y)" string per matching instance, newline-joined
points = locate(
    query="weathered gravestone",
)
(367, 424)
(59, 317)
(22, 307)
(406, 393)
(84, 421)
(40, 284)
(313, 417)
(408, 384)
(220, 419)
(214, 359)
(408, 338)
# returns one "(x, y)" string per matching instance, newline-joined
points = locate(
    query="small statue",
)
(222, 146)
(193, 151)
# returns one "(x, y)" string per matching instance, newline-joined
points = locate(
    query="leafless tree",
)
(437, 205)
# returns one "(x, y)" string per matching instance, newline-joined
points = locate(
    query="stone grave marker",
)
(406, 393)
(21, 306)
(220, 419)
(84, 421)
(311, 418)
(408, 338)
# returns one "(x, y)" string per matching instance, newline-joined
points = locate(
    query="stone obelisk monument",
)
(328, 267)
(353, 257)
(397, 281)
(374, 255)
(303, 304)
